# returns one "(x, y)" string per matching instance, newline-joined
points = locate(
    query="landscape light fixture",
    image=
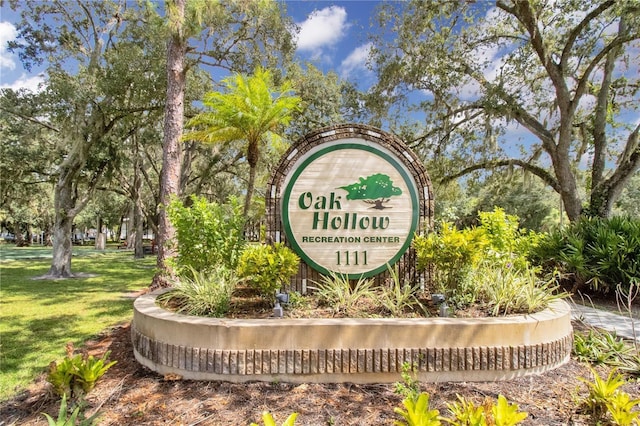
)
(439, 300)
(277, 309)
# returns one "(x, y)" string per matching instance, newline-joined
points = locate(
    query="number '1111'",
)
(351, 257)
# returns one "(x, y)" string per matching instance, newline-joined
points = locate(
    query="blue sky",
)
(333, 36)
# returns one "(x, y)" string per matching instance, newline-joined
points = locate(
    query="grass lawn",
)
(38, 317)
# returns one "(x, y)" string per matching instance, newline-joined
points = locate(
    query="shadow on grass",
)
(38, 317)
(27, 337)
(11, 252)
(101, 273)
(23, 346)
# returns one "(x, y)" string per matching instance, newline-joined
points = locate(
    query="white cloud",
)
(357, 60)
(30, 82)
(323, 28)
(7, 33)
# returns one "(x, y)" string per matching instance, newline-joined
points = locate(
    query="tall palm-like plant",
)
(250, 109)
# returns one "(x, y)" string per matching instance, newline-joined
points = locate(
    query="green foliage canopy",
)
(561, 71)
(252, 110)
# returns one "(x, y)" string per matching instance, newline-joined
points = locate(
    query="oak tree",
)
(563, 73)
(101, 71)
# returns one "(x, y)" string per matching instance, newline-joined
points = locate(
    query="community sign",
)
(350, 206)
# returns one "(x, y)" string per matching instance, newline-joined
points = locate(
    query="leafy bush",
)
(599, 253)
(409, 387)
(606, 398)
(452, 252)
(417, 412)
(202, 293)
(76, 375)
(506, 289)
(463, 412)
(337, 291)
(600, 347)
(631, 364)
(467, 262)
(299, 301)
(506, 241)
(398, 297)
(75, 419)
(268, 268)
(623, 409)
(61, 375)
(268, 420)
(500, 413)
(208, 234)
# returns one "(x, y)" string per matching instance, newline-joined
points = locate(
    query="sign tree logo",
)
(350, 207)
(376, 190)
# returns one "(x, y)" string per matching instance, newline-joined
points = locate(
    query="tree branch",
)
(522, 12)
(583, 82)
(629, 161)
(31, 119)
(521, 115)
(573, 35)
(493, 164)
(447, 116)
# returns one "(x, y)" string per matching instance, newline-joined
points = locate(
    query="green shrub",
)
(465, 412)
(298, 300)
(600, 347)
(409, 387)
(417, 412)
(202, 293)
(338, 292)
(453, 253)
(631, 364)
(499, 413)
(73, 419)
(506, 241)
(606, 399)
(208, 234)
(61, 375)
(508, 290)
(268, 268)
(624, 410)
(497, 247)
(268, 420)
(599, 253)
(76, 375)
(399, 297)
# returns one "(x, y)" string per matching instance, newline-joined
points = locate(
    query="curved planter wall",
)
(349, 350)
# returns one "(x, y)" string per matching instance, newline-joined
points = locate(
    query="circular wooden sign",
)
(350, 207)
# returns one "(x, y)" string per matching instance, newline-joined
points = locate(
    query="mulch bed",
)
(130, 394)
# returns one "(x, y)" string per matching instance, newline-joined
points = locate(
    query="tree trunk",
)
(65, 212)
(62, 249)
(173, 126)
(18, 235)
(250, 186)
(101, 238)
(47, 238)
(62, 230)
(253, 155)
(118, 234)
(64, 203)
(138, 248)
